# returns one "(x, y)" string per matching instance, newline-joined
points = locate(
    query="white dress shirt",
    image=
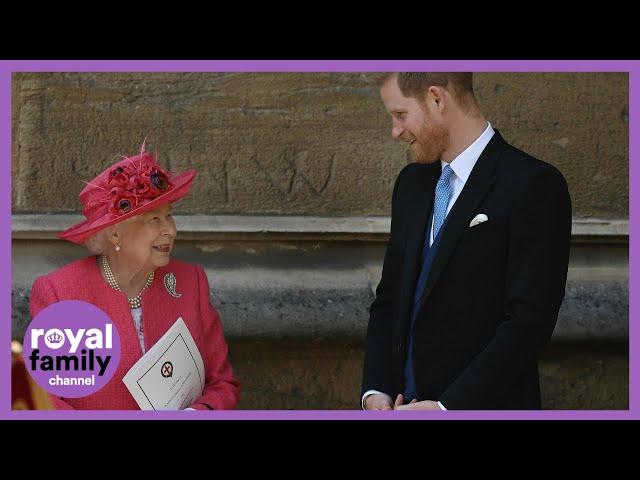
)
(461, 166)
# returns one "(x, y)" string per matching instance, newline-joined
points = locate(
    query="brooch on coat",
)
(170, 285)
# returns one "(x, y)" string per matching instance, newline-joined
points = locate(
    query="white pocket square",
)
(481, 217)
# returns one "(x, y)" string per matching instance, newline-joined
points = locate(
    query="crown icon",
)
(54, 338)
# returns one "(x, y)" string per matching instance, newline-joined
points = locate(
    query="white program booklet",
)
(170, 376)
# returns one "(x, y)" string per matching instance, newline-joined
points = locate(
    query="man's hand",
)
(400, 401)
(414, 405)
(378, 401)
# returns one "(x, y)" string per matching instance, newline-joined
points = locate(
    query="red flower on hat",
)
(138, 187)
(156, 179)
(133, 186)
(159, 181)
(122, 201)
(119, 176)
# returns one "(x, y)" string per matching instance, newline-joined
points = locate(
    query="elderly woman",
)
(132, 278)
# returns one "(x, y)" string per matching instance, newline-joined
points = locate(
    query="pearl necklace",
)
(135, 302)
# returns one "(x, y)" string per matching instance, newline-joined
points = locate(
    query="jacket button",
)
(399, 347)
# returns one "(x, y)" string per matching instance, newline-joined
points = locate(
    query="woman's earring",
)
(117, 248)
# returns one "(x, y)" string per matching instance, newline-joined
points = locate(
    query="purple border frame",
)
(8, 67)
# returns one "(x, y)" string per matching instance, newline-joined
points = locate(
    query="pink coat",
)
(82, 280)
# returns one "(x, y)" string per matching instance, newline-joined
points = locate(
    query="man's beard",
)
(430, 144)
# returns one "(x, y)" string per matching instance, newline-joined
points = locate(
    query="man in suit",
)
(476, 265)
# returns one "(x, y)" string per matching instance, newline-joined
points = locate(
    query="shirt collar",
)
(464, 163)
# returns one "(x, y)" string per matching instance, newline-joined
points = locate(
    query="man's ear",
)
(438, 96)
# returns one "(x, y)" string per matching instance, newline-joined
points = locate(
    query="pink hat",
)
(130, 187)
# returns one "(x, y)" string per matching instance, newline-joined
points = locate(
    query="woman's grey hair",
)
(98, 244)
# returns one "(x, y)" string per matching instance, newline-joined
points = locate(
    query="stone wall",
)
(296, 143)
(295, 316)
(327, 375)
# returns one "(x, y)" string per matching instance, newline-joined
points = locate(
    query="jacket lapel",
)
(478, 184)
(419, 210)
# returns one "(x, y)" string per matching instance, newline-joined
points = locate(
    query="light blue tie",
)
(443, 195)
